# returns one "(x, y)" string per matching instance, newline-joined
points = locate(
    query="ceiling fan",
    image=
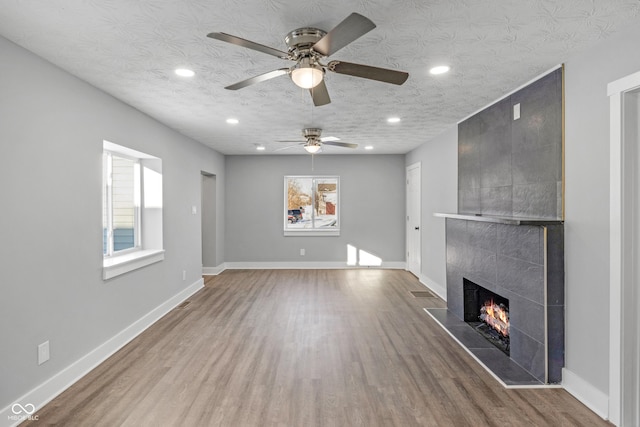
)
(308, 47)
(313, 142)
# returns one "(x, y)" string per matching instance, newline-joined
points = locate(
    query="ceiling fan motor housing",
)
(312, 133)
(301, 40)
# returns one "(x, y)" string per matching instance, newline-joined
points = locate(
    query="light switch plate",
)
(43, 352)
(516, 111)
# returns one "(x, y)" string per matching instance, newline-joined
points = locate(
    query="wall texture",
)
(51, 133)
(372, 208)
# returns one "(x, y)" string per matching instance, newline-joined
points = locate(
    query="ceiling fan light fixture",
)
(306, 74)
(312, 148)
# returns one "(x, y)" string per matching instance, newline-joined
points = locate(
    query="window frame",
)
(148, 241)
(313, 231)
(138, 203)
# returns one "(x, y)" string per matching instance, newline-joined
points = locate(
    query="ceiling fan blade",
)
(353, 27)
(292, 140)
(289, 146)
(258, 79)
(320, 94)
(340, 144)
(248, 44)
(368, 72)
(329, 138)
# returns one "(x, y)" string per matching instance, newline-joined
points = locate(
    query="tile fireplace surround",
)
(508, 234)
(523, 261)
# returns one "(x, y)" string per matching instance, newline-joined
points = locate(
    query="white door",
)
(413, 219)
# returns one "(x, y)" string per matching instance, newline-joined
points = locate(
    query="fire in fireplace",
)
(488, 313)
(496, 316)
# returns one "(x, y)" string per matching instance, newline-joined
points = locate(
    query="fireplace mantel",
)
(500, 219)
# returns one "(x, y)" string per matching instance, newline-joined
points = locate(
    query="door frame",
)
(624, 302)
(418, 203)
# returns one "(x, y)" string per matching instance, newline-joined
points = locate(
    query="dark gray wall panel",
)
(496, 201)
(520, 242)
(537, 200)
(516, 163)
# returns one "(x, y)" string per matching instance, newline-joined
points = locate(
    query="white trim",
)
(615, 257)
(618, 262)
(590, 396)
(310, 265)
(48, 390)
(213, 271)
(434, 286)
(120, 264)
(533, 80)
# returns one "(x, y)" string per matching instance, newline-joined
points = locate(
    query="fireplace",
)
(517, 267)
(488, 314)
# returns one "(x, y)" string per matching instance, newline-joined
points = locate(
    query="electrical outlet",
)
(43, 352)
(302, 252)
(184, 274)
(516, 111)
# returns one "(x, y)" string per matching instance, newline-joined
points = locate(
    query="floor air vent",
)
(184, 304)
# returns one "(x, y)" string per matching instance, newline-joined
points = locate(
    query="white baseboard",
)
(213, 271)
(590, 396)
(311, 265)
(48, 390)
(434, 286)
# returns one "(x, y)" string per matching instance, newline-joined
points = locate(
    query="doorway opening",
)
(208, 217)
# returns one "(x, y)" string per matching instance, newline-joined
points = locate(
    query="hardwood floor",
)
(303, 348)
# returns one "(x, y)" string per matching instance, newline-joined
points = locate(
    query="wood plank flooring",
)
(303, 348)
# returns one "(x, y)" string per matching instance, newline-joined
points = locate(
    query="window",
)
(121, 203)
(131, 209)
(312, 205)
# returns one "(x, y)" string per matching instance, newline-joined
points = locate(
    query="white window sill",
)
(311, 232)
(120, 264)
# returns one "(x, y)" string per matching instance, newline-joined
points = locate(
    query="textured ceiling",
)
(129, 49)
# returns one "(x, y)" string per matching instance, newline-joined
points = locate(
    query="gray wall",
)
(51, 132)
(439, 186)
(587, 200)
(372, 208)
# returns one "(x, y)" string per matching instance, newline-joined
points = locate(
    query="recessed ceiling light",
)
(233, 121)
(368, 147)
(393, 119)
(184, 72)
(260, 147)
(440, 69)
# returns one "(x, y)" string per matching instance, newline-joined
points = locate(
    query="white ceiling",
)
(129, 49)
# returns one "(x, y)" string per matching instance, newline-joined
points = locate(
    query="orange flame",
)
(496, 316)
